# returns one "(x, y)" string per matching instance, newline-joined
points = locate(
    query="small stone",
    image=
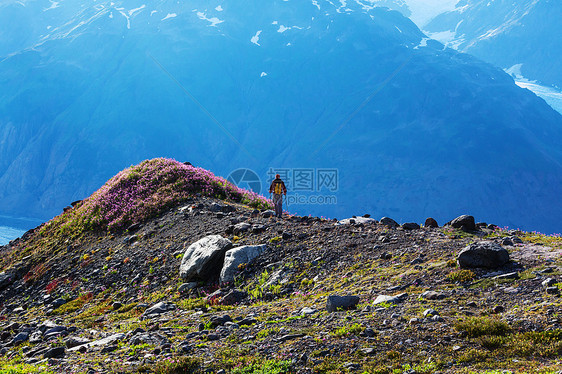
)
(464, 222)
(116, 305)
(548, 282)
(430, 222)
(306, 311)
(390, 299)
(430, 312)
(410, 226)
(433, 295)
(385, 256)
(335, 303)
(56, 352)
(498, 309)
(553, 290)
(389, 222)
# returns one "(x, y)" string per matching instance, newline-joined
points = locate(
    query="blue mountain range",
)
(408, 128)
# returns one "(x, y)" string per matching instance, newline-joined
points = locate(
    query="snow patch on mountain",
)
(169, 15)
(54, 5)
(213, 20)
(256, 38)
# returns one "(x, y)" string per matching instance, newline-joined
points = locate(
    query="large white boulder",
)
(203, 259)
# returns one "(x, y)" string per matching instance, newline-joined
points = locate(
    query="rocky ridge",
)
(308, 295)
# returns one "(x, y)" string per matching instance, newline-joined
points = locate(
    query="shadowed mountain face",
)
(413, 130)
(508, 33)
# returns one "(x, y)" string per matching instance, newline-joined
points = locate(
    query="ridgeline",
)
(170, 269)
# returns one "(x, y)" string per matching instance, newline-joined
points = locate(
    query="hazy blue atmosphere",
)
(408, 126)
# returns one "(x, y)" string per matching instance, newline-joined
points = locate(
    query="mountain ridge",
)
(361, 82)
(321, 296)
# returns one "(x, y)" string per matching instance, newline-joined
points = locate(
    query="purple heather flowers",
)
(145, 190)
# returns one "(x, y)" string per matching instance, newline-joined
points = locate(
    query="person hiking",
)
(278, 189)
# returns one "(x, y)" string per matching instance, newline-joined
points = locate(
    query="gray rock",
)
(6, 279)
(356, 220)
(233, 297)
(56, 352)
(36, 337)
(507, 241)
(157, 309)
(553, 290)
(335, 303)
(430, 312)
(306, 311)
(548, 282)
(185, 287)
(390, 299)
(203, 259)
(484, 254)
(389, 222)
(433, 295)
(241, 227)
(58, 303)
(20, 338)
(267, 213)
(256, 229)
(75, 341)
(516, 240)
(410, 226)
(100, 343)
(513, 275)
(216, 207)
(464, 222)
(431, 222)
(237, 256)
(55, 331)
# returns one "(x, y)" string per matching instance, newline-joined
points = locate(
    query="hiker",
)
(278, 189)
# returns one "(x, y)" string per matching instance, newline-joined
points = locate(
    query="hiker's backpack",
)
(278, 188)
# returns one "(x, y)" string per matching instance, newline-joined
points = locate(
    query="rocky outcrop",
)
(204, 258)
(237, 256)
(486, 254)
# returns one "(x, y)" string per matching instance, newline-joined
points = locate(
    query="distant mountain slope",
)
(413, 130)
(507, 33)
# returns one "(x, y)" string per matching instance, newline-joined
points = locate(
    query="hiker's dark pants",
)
(278, 203)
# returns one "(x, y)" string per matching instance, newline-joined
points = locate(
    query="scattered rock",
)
(157, 309)
(389, 222)
(390, 299)
(241, 227)
(237, 256)
(56, 352)
(410, 226)
(335, 303)
(356, 220)
(433, 295)
(430, 222)
(485, 254)
(204, 258)
(233, 297)
(267, 213)
(553, 290)
(464, 222)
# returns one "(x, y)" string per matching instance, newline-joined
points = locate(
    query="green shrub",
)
(479, 326)
(461, 276)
